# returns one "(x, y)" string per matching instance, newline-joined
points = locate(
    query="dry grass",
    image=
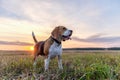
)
(86, 66)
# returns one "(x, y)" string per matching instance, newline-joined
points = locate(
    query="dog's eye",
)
(64, 28)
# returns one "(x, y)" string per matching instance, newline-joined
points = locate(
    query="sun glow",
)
(31, 48)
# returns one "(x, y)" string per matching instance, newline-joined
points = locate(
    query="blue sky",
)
(95, 22)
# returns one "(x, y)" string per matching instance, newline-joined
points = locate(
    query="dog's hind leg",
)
(34, 66)
(36, 54)
(35, 61)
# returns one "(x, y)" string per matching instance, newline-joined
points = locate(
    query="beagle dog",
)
(52, 47)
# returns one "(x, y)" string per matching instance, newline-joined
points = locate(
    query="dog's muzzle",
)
(67, 37)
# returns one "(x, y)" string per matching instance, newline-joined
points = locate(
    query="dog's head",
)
(61, 33)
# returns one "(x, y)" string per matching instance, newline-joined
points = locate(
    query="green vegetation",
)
(77, 66)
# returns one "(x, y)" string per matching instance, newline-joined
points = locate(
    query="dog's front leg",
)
(47, 60)
(60, 62)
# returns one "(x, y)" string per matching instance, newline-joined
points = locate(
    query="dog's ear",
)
(55, 33)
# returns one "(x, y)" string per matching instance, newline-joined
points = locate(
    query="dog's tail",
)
(35, 40)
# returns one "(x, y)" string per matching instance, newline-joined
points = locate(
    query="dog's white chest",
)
(55, 50)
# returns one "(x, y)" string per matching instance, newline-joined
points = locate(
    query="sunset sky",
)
(95, 23)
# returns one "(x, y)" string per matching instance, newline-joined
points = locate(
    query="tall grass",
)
(93, 66)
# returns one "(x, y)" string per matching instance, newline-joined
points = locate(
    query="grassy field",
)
(78, 65)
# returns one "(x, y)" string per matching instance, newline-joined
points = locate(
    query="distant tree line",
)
(112, 48)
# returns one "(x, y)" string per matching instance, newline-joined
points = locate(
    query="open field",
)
(78, 65)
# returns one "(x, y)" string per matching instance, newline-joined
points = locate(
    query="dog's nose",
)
(71, 31)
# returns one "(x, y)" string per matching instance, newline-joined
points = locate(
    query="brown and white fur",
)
(52, 46)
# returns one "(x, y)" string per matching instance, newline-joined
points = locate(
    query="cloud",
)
(98, 38)
(42, 11)
(15, 43)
